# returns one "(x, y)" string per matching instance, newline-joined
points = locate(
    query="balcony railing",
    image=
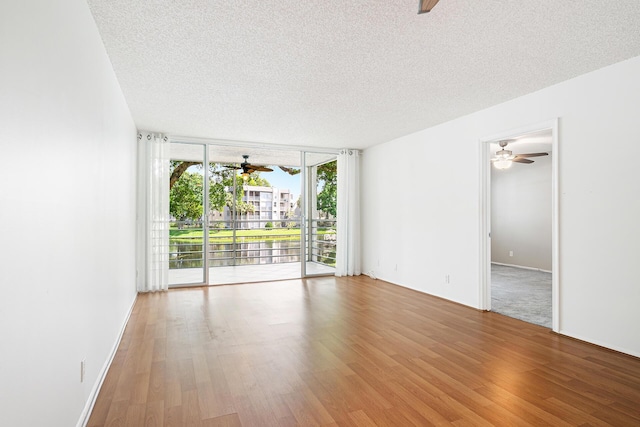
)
(322, 242)
(252, 241)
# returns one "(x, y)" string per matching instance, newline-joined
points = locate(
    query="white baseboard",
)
(600, 344)
(91, 401)
(520, 266)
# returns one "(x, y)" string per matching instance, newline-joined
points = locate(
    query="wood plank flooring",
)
(352, 352)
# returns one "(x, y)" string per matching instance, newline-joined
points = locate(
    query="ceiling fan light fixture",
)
(505, 154)
(505, 158)
(502, 164)
(247, 168)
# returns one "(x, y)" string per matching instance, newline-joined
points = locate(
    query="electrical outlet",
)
(510, 253)
(83, 365)
(447, 279)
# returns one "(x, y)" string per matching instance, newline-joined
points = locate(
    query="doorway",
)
(519, 226)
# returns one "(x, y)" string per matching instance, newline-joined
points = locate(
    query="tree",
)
(290, 215)
(185, 190)
(221, 185)
(221, 180)
(328, 196)
(221, 188)
(186, 203)
(290, 171)
(327, 177)
(255, 180)
(179, 167)
(185, 197)
(217, 196)
(241, 207)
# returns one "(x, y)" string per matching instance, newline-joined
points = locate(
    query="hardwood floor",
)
(352, 352)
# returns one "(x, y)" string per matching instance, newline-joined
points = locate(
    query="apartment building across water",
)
(270, 205)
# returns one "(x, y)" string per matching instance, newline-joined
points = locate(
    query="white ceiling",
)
(338, 73)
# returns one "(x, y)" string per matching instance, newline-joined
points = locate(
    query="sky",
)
(282, 180)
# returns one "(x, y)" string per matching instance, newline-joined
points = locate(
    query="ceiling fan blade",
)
(532, 155)
(427, 5)
(248, 168)
(519, 159)
(232, 167)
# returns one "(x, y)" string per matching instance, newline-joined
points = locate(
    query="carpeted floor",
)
(522, 294)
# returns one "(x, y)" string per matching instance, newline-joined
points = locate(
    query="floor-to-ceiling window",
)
(252, 214)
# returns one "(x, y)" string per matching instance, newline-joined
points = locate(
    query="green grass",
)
(226, 236)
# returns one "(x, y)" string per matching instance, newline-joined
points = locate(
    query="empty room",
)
(287, 213)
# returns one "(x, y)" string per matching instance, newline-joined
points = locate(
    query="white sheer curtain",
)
(153, 212)
(348, 244)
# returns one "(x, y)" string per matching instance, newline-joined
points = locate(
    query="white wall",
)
(521, 214)
(437, 233)
(67, 210)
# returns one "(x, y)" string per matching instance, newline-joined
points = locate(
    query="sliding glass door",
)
(245, 214)
(320, 207)
(252, 222)
(255, 215)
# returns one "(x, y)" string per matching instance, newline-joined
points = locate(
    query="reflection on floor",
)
(247, 273)
(521, 293)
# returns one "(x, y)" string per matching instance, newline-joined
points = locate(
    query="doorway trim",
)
(485, 215)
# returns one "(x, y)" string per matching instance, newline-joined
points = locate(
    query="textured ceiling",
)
(339, 73)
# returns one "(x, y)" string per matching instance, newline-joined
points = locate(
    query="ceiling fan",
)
(248, 168)
(426, 6)
(505, 158)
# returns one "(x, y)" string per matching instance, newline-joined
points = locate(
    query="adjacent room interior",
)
(93, 92)
(521, 218)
